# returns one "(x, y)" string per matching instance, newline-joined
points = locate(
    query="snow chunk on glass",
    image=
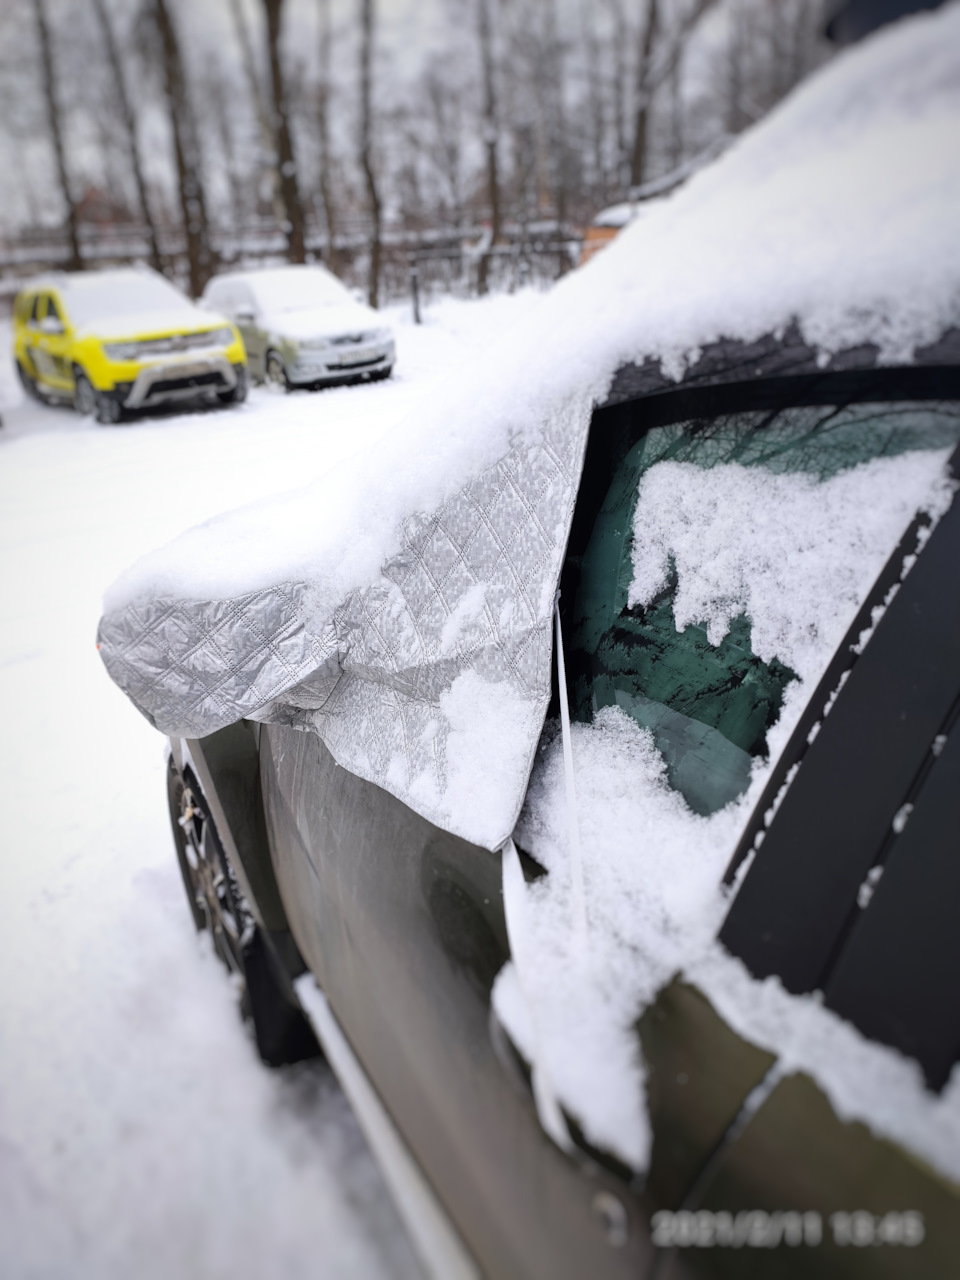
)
(792, 551)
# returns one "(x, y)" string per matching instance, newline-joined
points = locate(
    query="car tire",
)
(109, 411)
(28, 383)
(275, 373)
(84, 396)
(218, 906)
(238, 393)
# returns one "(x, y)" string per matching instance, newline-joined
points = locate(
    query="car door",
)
(32, 341)
(55, 341)
(850, 889)
(403, 925)
(49, 345)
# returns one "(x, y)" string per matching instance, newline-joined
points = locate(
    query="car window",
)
(53, 310)
(244, 300)
(217, 294)
(39, 309)
(709, 706)
(298, 288)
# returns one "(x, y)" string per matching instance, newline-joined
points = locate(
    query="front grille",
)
(173, 344)
(186, 384)
(359, 364)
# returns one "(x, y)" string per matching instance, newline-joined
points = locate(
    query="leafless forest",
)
(473, 139)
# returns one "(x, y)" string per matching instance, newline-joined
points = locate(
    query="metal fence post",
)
(415, 290)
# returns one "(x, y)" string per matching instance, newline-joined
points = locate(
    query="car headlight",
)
(313, 344)
(220, 337)
(122, 350)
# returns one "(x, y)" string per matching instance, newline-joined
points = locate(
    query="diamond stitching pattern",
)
(470, 588)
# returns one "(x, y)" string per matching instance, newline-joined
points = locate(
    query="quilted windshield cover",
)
(432, 682)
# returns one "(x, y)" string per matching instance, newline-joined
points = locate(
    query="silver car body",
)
(308, 321)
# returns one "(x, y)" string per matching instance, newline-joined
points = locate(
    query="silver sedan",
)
(302, 327)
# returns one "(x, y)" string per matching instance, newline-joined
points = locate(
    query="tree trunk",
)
(490, 132)
(130, 130)
(53, 120)
(289, 188)
(638, 157)
(267, 145)
(366, 146)
(618, 73)
(193, 207)
(558, 136)
(323, 137)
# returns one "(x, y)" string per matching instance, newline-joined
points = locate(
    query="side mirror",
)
(51, 326)
(244, 316)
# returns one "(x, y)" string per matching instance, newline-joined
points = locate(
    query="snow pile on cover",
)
(838, 211)
(798, 558)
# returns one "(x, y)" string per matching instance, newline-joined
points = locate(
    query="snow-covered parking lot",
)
(139, 1133)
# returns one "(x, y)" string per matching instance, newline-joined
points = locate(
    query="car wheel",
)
(217, 905)
(108, 409)
(84, 396)
(237, 394)
(276, 374)
(28, 383)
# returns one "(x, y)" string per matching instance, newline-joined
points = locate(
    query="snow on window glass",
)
(726, 561)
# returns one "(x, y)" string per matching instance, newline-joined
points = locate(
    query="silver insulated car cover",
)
(432, 681)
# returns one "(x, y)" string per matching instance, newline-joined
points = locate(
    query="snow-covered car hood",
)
(323, 322)
(150, 324)
(401, 606)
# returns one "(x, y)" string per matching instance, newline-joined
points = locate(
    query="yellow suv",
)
(112, 341)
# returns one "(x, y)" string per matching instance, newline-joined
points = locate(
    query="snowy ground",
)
(139, 1134)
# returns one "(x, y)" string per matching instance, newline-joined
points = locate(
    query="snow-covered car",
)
(111, 342)
(628, 918)
(302, 327)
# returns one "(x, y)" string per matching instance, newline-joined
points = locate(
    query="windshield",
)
(725, 562)
(298, 288)
(101, 297)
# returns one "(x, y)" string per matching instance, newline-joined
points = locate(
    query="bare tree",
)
(444, 146)
(490, 130)
(660, 53)
(264, 124)
(618, 73)
(56, 135)
(638, 156)
(289, 187)
(366, 148)
(128, 121)
(324, 94)
(219, 107)
(193, 205)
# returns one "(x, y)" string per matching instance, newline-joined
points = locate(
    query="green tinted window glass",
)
(709, 707)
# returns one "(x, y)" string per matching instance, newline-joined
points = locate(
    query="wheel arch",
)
(227, 767)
